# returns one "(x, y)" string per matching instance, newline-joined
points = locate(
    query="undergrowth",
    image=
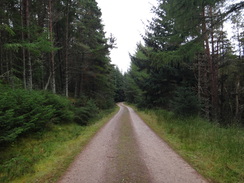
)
(216, 152)
(25, 112)
(45, 155)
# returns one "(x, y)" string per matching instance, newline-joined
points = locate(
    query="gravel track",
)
(126, 150)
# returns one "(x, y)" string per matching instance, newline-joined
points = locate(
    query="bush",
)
(85, 110)
(23, 112)
(63, 108)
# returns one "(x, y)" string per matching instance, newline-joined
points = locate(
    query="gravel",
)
(126, 150)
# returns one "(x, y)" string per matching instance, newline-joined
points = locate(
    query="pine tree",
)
(186, 38)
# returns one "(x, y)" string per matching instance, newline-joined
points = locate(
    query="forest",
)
(57, 80)
(55, 45)
(58, 47)
(188, 63)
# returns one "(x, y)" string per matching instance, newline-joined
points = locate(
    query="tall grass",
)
(216, 152)
(46, 155)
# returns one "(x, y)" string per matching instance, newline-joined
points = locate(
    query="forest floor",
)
(126, 150)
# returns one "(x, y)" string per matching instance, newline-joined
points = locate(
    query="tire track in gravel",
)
(129, 164)
(126, 150)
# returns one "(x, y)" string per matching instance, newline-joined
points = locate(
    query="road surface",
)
(126, 150)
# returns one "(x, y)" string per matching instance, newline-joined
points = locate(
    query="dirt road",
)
(126, 150)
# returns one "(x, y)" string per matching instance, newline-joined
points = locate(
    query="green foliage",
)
(38, 46)
(133, 94)
(8, 29)
(135, 79)
(180, 51)
(119, 81)
(63, 109)
(185, 102)
(231, 80)
(85, 110)
(23, 112)
(26, 112)
(78, 46)
(157, 82)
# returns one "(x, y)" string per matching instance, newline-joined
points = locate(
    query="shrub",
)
(85, 110)
(63, 108)
(23, 112)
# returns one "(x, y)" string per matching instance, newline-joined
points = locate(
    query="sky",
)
(126, 20)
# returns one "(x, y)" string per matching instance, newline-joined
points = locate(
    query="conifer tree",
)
(61, 46)
(186, 38)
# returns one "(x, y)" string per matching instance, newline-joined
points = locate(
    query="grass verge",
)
(214, 151)
(45, 156)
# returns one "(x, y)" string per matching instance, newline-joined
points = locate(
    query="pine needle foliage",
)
(185, 102)
(25, 112)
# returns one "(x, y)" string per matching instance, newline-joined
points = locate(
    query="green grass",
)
(214, 151)
(45, 156)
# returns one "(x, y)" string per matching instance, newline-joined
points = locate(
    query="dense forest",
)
(188, 65)
(57, 83)
(56, 45)
(48, 49)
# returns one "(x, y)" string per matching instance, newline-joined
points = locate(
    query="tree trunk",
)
(1, 58)
(23, 49)
(7, 69)
(52, 62)
(199, 78)
(11, 74)
(76, 88)
(26, 5)
(205, 79)
(66, 52)
(237, 98)
(213, 73)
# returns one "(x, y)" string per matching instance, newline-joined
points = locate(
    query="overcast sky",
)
(126, 20)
